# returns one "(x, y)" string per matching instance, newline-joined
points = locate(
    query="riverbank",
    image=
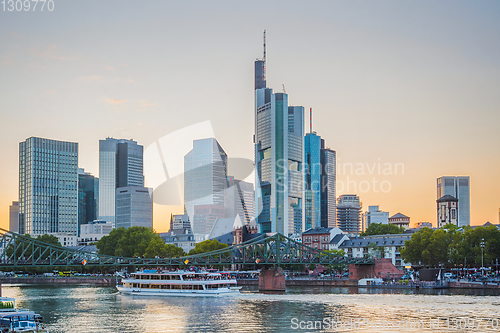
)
(94, 280)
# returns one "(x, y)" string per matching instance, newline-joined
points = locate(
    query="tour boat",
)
(18, 320)
(179, 283)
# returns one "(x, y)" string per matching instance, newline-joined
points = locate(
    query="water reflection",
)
(101, 309)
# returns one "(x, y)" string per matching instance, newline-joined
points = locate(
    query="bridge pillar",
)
(272, 281)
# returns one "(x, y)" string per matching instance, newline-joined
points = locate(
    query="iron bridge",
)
(267, 249)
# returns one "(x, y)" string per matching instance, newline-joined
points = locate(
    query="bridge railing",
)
(266, 249)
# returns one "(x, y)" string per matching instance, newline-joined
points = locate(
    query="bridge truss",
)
(267, 249)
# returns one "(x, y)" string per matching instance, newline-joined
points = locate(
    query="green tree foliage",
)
(158, 248)
(207, 246)
(107, 245)
(137, 242)
(451, 246)
(337, 267)
(382, 229)
(50, 239)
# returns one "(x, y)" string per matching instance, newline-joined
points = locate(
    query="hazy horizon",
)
(400, 85)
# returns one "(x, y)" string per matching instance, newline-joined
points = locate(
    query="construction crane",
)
(284, 90)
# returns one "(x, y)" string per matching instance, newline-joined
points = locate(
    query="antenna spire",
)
(264, 59)
(310, 120)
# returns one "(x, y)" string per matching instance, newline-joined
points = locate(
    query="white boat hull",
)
(182, 293)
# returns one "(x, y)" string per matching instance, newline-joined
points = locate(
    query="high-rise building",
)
(205, 173)
(205, 216)
(279, 135)
(120, 165)
(459, 188)
(374, 215)
(239, 199)
(328, 187)
(348, 213)
(134, 207)
(14, 217)
(88, 198)
(48, 187)
(312, 181)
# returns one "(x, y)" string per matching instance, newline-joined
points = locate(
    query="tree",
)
(107, 245)
(207, 246)
(382, 229)
(337, 267)
(158, 248)
(134, 242)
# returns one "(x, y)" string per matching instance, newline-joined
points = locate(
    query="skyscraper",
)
(459, 188)
(88, 198)
(205, 173)
(348, 213)
(279, 131)
(14, 217)
(134, 207)
(328, 187)
(48, 187)
(120, 165)
(239, 199)
(312, 181)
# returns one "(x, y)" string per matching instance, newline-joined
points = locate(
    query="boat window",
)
(155, 277)
(144, 285)
(135, 285)
(164, 277)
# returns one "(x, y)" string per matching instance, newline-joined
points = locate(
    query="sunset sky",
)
(412, 83)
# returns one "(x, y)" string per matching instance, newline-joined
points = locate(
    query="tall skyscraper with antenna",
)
(278, 139)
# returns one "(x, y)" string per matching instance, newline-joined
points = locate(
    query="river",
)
(301, 309)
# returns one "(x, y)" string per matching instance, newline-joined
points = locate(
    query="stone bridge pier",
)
(272, 280)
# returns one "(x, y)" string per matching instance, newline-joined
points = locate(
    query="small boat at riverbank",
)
(18, 320)
(179, 283)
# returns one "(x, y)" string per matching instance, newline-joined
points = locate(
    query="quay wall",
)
(306, 282)
(467, 285)
(97, 280)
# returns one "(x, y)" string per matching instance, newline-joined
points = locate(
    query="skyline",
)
(416, 96)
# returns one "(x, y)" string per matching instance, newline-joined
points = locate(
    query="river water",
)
(301, 309)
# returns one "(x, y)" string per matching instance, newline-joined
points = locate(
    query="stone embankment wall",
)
(98, 280)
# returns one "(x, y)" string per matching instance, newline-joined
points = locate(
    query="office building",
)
(374, 215)
(239, 199)
(14, 217)
(134, 207)
(88, 198)
(179, 221)
(459, 188)
(278, 139)
(205, 216)
(120, 165)
(93, 231)
(348, 214)
(48, 187)
(328, 187)
(312, 181)
(205, 173)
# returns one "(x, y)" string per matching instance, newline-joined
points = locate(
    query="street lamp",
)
(482, 254)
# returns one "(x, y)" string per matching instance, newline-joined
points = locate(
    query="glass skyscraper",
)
(320, 203)
(205, 173)
(88, 198)
(279, 133)
(48, 187)
(328, 187)
(312, 181)
(120, 165)
(458, 187)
